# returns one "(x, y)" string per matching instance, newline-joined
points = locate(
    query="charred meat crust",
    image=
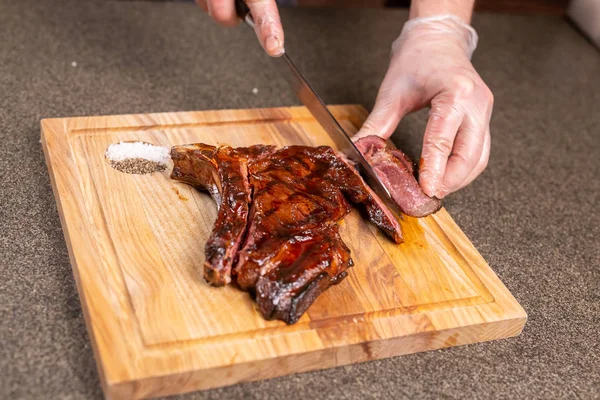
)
(286, 292)
(223, 172)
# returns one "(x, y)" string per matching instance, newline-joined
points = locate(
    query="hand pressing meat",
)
(276, 232)
(430, 66)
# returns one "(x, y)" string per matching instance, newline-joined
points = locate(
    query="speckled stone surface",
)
(532, 214)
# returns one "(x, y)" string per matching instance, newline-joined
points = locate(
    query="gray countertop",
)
(531, 214)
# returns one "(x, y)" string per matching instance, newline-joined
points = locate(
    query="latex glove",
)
(431, 65)
(267, 23)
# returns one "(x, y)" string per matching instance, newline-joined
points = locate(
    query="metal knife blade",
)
(315, 105)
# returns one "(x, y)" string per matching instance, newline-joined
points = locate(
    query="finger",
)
(383, 120)
(466, 152)
(203, 5)
(485, 99)
(390, 106)
(223, 11)
(444, 120)
(267, 26)
(482, 163)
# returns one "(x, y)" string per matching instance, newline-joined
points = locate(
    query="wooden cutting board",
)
(136, 244)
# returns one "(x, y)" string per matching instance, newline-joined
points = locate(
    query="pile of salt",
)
(137, 157)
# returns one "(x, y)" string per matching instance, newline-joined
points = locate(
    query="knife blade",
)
(319, 110)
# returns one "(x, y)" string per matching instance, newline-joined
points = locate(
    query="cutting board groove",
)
(136, 244)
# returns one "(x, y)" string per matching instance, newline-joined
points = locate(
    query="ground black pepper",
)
(137, 166)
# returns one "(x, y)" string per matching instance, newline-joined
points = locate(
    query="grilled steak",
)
(286, 203)
(397, 173)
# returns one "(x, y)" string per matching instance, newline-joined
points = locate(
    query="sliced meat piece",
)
(397, 173)
(223, 172)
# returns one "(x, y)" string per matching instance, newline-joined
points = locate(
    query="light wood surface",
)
(136, 244)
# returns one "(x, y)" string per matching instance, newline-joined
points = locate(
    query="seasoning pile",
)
(137, 157)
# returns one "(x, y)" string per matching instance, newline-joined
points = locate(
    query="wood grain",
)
(136, 246)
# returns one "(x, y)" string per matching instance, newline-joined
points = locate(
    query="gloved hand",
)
(267, 24)
(431, 65)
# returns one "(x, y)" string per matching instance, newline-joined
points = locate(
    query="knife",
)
(315, 105)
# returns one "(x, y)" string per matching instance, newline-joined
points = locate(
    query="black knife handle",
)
(242, 10)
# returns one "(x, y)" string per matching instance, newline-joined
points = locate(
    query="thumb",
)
(395, 99)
